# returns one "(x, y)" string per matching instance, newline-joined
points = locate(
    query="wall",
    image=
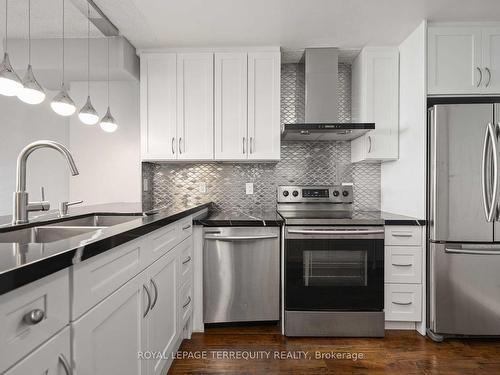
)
(404, 181)
(301, 163)
(109, 163)
(21, 124)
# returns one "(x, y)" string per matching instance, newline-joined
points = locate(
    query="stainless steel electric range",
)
(334, 264)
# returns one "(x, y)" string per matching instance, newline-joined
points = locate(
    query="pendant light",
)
(88, 115)
(10, 84)
(62, 104)
(108, 122)
(32, 92)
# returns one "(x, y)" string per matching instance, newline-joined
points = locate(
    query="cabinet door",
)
(162, 321)
(454, 60)
(195, 106)
(491, 59)
(158, 106)
(51, 358)
(231, 140)
(264, 106)
(109, 338)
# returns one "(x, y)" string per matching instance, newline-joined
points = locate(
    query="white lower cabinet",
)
(403, 302)
(51, 358)
(109, 338)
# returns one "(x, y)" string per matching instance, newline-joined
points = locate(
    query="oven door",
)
(334, 268)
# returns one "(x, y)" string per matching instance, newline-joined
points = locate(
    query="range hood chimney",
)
(322, 102)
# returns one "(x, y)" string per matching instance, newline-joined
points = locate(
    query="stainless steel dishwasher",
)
(241, 274)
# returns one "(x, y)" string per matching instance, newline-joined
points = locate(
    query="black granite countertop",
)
(21, 264)
(395, 219)
(223, 218)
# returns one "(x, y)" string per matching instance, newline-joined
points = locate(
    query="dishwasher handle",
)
(241, 238)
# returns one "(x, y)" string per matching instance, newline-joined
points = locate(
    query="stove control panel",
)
(327, 194)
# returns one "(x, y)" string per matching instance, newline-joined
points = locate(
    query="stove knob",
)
(295, 193)
(286, 193)
(345, 193)
(336, 193)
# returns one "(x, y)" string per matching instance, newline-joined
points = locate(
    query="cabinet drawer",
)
(18, 336)
(186, 304)
(162, 241)
(403, 264)
(96, 278)
(52, 358)
(185, 228)
(186, 251)
(404, 235)
(403, 302)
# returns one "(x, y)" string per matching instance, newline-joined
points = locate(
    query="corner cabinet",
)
(375, 98)
(463, 60)
(218, 105)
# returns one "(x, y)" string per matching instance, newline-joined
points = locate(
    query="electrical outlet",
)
(145, 185)
(202, 187)
(249, 187)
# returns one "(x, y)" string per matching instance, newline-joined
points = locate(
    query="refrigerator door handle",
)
(489, 199)
(494, 144)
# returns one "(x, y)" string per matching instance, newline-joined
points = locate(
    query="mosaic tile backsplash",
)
(320, 163)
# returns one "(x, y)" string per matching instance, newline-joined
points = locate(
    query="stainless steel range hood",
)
(321, 102)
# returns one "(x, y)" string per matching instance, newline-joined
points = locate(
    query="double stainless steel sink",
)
(63, 229)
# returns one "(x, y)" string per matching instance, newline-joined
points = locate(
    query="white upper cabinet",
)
(211, 105)
(159, 106)
(264, 69)
(454, 60)
(491, 59)
(231, 139)
(463, 60)
(195, 106)
(375, 98)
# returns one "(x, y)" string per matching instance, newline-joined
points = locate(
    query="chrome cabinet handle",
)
(244, 152)
(180, 143)
(251, 145)
(402, 264)
(173, 145)
(402, 303)
(187, 303)
(489, 76)
(156, 293)
(186, 227)
(370, 144)
(149, 301)
(34, 317)
(400, 234)
(65, 364)
(480, 76)
(187, 260)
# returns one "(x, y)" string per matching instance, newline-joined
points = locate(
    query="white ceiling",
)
(46, 20)
(292, 24)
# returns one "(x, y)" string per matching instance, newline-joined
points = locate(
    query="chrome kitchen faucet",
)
(21, 204)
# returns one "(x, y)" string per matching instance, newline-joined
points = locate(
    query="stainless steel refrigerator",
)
(464, 220)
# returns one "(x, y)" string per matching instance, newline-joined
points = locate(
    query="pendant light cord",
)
(63, 65)
(88, 49)
(6, 21)
(29, 32)
(108, 71)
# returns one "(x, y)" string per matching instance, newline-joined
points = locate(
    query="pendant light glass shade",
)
(10, 84)
(108, 122)
(32, 92)
(88, 115)
(62, 104)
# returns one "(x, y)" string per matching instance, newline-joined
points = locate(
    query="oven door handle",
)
(336, 232)
(241, 238)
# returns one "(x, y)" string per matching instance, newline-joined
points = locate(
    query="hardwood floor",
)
(400, 352)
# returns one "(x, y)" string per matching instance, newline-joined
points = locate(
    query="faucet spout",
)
(21, 203)
(26, 152)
